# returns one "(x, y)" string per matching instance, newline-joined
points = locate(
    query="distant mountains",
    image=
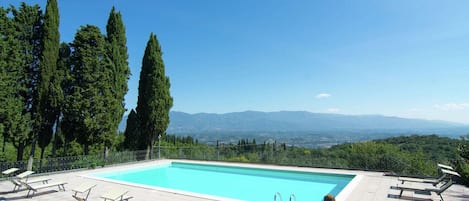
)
(297, 121)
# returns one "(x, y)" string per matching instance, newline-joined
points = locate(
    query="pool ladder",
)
(279, 196)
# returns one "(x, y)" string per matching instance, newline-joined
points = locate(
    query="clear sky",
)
(398, 58)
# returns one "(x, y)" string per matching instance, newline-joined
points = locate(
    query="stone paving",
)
(369, 186)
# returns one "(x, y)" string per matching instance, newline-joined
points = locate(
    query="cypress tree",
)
(132, 135)
(154, 99)
(49, 87)
(64, 77)
(117, 53)
(87, 108)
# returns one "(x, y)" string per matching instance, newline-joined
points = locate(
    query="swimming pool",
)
(243, 183)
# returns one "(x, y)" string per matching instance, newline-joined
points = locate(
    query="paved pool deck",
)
(369, 186)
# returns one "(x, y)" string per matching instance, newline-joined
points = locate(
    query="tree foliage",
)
(117, 53)
(15, 118)
(49, 85)
(23, 35)
(90, 97)
(154, 99)
(133, 139)
(65, 126)
(77, 88)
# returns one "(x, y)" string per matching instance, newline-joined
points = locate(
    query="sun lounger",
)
(449, 172)
(24, 174)
(16, 180)
(35, 188)
(116, 195)
(8, 174)
(24, 177)
(10, 171)
(445, 167)
(446, 173)
(82, 190)
(434, 182)
(438, 191)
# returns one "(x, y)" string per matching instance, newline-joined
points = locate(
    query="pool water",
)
(251, 184)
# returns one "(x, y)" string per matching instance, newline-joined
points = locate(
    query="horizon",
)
(380, 115)
(399, 58)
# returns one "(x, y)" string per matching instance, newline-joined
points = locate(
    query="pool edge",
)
(344, 193)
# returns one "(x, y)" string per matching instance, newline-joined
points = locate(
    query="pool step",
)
(292, 197)
(279, 196)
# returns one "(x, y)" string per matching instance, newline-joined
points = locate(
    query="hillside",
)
(297, 121)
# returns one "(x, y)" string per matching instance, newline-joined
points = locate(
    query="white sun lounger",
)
(434, 182)
(438, 191)
(83, 189)
(24, 174)
(446, 173)
(24, 177)
(116, 195)
(35, 188)
(445, 167)
(450, 172)
(9, 171)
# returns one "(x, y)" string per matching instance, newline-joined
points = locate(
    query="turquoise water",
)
(251, 184)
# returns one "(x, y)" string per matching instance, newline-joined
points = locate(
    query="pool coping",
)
(342, 196)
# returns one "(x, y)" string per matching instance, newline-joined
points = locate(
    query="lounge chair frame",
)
(82, 189)
(438, 191)
(446, 173)
(24, 177)
(116, 195)
(34, 189)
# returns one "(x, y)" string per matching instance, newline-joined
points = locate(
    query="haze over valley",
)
(301, 128)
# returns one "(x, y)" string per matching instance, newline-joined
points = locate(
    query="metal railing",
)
(230, 154)
(386, 163)
(77, 162)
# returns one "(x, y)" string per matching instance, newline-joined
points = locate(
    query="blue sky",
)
(398, 58)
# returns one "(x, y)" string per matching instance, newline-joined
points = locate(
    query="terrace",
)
(372, 186)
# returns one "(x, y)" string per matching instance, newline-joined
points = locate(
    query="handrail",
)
(292, 196)
(66, 163)
(279, 195)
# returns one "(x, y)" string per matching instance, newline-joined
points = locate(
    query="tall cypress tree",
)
(88, 101)
(49, 87)
(154, 99)
(117, 53)
(64, 77)
(133, 139)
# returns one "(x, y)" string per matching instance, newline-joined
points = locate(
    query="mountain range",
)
(298, 121)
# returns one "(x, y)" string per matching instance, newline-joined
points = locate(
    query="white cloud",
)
(415, 110)
(452, 106)
(333, 110)
(323, 95)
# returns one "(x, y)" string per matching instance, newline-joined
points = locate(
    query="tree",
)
(88, 102)
(49, 86)
(64, 77)
(27, 32)
(4, 85)
(117, 53)
(15, 122)
(132, 134)
(154, 99)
